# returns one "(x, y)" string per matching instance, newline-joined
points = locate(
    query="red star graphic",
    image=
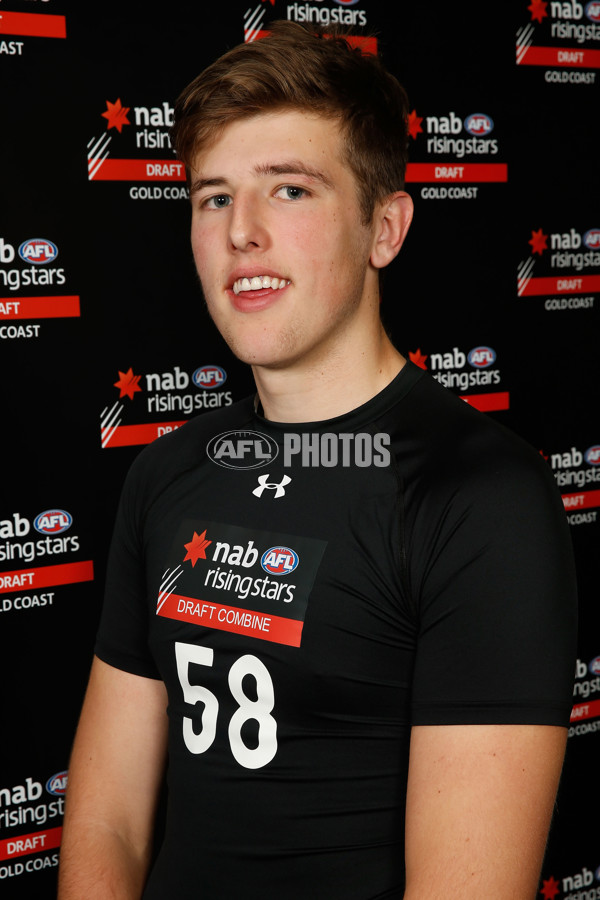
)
(550, 888)
(272, 2)
(128, 384)
(116, 115)
(196, 547)
(418, 358)
(537, 8)
(414, 124)
(539, 241)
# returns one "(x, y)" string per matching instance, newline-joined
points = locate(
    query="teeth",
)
(258, 282)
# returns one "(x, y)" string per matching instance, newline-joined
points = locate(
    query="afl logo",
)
(209, 377)
(242, 449)
(479, 124)
(592, 11)
(57, 784)
(594, 666)
(592, 455)
(38, 251)
(279, 560)
(481, 357)
(53, 521)
(591, 238)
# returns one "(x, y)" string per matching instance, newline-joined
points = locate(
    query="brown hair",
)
(294, 68)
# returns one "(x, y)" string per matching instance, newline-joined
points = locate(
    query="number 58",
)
(259, 709)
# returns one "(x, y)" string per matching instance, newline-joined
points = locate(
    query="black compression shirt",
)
(304, 617)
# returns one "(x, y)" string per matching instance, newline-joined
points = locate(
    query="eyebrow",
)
(199, 183)
(289, 167)
(294, 167)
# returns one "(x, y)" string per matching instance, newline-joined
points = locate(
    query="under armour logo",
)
(278, 487)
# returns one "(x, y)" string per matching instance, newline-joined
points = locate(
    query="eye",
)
(218, 201)
(292, 192)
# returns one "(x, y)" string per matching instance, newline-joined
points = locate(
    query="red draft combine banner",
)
(24, 844)
(39, 307)
(585, 711)
(571, 284)
(277, 629)
(558, 56)
(583, 500)
(47, 576)
(367, 45)
(133, 435)
(33, 25)
(457, 172)
(136, 170)
(488, 402)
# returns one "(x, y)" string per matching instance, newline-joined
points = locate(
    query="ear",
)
(392, 220)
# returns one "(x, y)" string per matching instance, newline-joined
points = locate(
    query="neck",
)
(312, 391)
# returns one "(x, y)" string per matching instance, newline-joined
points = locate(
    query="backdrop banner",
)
(105, 344)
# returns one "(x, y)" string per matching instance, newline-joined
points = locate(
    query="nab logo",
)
(242, 449)
(38, 251)
(479, 124)
(592, 11)
(53, 521)
(591, 238)
(209, 377)
(57, 784)
(279, 560)
(592, 455)
(481, 357)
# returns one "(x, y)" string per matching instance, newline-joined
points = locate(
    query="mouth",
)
(259, 283)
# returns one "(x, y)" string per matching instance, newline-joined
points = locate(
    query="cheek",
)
(320, 253)
(195, 243)
(198, 240)
(203, 251)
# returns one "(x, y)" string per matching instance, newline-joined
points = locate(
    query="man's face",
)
(277, 237)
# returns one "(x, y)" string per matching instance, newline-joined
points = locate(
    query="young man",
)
(357, 648)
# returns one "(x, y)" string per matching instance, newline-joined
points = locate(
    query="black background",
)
(454, 285)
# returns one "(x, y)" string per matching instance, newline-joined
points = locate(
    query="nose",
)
(247, 224)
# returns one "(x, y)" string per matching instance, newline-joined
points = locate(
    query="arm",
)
(114, 778)
(479, 804)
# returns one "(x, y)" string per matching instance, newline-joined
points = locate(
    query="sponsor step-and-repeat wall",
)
(105, 344)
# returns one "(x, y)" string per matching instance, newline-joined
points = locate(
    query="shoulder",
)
(445, 445)
(467, 484)
(490, 568)
(179, 451)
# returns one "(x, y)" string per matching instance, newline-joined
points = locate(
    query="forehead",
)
(272, 137)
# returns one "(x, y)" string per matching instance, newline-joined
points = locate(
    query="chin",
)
(252, 356)
(269, 354)
(263, 361)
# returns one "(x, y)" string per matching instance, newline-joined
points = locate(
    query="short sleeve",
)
(496, 596)
(122, 639)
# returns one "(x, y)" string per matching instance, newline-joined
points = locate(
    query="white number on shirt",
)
(259, 709)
